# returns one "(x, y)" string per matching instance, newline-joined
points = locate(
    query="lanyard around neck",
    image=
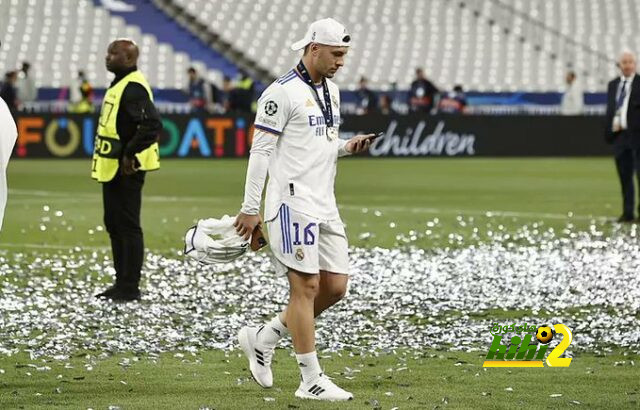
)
(326, 108)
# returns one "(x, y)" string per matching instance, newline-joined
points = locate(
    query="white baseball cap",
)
(326, 31)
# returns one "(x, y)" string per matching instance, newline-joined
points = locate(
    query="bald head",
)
(122, 54)
(627, 63)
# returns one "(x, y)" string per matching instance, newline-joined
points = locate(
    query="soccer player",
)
(297, 143)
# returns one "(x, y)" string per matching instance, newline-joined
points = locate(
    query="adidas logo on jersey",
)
(309, 103)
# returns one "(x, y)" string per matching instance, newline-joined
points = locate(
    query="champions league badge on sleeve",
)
(270, 108)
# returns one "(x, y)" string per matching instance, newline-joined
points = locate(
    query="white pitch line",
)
(33, 192)
(70, 196)
(43, 246)
(420, 210)
(415, 210)
(42, 201)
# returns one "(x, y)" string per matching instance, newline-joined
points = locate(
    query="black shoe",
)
(625, 218)
(109, 292)
(119, 294)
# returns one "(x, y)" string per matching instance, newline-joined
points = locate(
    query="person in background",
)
(422, 94)
(8, 91)
(27, 91)
(228, 102)
(246, 82)
(622, 129)
(453, 102)
(385, 105)
(199, 91)
(126, 148)
(237, 100)
(81, 95)
(216, 97)
(367, 101)
(245, 90)
(573, 97)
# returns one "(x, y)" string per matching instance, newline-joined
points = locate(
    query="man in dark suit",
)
(623, 129)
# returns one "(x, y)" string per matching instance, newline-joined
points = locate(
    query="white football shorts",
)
(306, 244)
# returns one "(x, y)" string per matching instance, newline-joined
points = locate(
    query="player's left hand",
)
(128, 166)
(245, 224)
(359, 143)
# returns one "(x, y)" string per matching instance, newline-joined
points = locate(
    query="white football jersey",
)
(302, 168)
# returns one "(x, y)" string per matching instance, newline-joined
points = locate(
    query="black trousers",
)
(627, 155)
(122, 198)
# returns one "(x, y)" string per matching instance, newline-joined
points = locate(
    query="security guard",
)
(125, 148)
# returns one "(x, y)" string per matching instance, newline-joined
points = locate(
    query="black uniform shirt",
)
(138, 123)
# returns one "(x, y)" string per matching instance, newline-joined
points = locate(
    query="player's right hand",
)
(245, 224)
(359, 143)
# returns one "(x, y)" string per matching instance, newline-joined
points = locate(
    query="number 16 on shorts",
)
(308, 236)
(305, 244)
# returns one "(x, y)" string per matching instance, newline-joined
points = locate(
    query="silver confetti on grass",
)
(403, 297)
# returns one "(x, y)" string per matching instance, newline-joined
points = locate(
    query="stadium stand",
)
(486, 45)
(62, 36)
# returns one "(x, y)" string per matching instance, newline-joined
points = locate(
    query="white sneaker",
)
(259, 356)
(322, 388)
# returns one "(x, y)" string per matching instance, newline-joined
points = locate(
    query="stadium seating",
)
(59, 37)
(485, 45)
(588, 35)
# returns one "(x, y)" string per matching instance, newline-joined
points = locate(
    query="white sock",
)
(272, 331)
(309, 366)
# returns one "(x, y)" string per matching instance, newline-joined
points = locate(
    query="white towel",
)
(214, 241)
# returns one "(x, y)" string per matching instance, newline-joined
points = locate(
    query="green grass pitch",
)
(382, 201)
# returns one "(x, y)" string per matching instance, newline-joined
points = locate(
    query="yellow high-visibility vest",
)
(107, 146)
(245, 84)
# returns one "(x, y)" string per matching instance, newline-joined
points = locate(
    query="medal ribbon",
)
(326, 108)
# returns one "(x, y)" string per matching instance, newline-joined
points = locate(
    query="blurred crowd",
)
(423, 97)
(233, 97)
(238, 96)
(18, 86)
